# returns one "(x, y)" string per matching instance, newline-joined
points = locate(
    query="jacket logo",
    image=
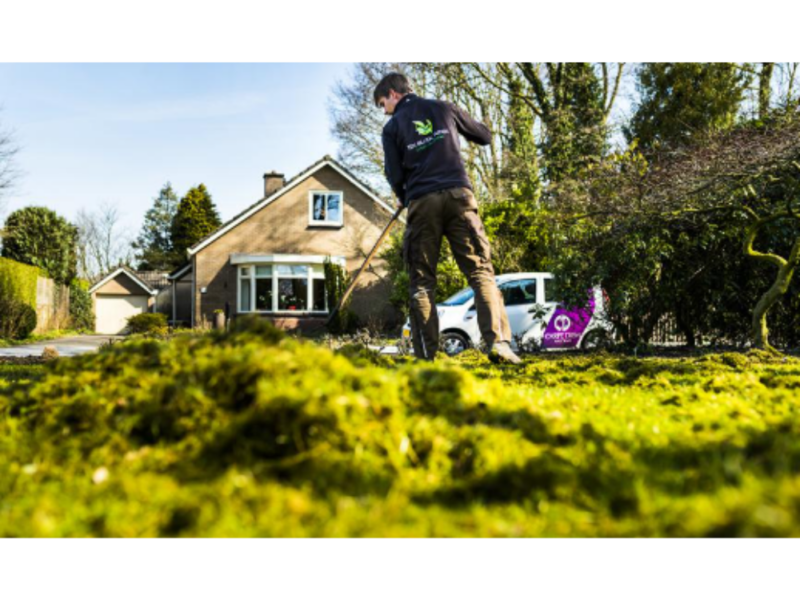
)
(424, 128)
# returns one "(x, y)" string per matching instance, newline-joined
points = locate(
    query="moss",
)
(251, 433)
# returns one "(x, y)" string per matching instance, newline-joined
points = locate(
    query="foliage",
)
(146, 438)
(449, 278)
(38, 236)
(17, 299)
(80, 305)
(155, 240)
(148, 323)
(679, 101)
(195, 218)
(667, 235)
(574, 117)
(519, 234)
(336, 282)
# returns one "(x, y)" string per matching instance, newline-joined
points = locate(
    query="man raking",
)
(424, 167)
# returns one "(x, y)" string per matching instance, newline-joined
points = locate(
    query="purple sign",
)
(567, 326)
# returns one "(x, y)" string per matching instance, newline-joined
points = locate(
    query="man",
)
(424, 167)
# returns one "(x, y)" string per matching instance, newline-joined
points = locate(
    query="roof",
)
(156, 280)
(180, 271)
(325, 161)
(130, 273)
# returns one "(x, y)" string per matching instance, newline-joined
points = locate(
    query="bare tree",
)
(8, 170)
(102, 244)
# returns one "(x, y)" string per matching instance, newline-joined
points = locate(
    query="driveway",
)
(68, 346)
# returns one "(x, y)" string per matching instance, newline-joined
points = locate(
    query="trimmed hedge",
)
(17, 299)
(150, 323)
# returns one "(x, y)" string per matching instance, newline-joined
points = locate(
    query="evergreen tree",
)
(679, 101)
(155, 240)
(195, 219)
(38, 236)
(520, 164)
(575, 120)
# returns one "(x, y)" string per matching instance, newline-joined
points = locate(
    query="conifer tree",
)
(679, 101)
(155, 240)
(195, 219)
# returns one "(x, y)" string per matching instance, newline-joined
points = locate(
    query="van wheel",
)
(596, 339)
(453, 343)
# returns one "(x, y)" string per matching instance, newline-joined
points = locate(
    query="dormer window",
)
(326, 209)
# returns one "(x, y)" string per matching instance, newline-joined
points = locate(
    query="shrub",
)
(17, 319)
(336, 282)
(148, 323)
(80, 305)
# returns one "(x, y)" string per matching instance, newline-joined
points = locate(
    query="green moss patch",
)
(254, 434)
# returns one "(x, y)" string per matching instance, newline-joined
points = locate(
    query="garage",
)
(112, 312)
(117, 297)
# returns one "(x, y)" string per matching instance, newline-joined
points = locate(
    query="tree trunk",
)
(764, 89)
(771, 297)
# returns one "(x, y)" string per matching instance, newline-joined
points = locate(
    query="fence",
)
(52, 305)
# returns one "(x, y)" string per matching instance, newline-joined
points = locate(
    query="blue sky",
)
(115, 133)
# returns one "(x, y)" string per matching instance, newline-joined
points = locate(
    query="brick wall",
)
(282, 228)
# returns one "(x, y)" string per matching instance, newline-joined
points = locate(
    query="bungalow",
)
(268, 260)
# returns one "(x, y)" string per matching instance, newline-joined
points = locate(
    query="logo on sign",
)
(562, 323)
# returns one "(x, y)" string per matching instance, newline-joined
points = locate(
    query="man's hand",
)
(400, 204)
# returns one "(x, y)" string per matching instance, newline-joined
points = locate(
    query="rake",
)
(363, 268)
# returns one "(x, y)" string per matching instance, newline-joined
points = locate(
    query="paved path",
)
(68, 346)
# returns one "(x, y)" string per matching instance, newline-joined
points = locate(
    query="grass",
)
(252, 434)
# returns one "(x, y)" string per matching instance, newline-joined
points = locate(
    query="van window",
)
(550, 291)
(519, 292)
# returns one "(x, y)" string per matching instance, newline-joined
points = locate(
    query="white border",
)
(136, 280)
(331, 224)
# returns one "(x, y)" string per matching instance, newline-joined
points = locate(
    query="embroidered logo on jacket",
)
(424, 128)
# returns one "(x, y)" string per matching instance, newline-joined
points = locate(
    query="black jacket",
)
(422, 148)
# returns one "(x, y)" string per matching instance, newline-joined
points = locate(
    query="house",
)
(268, 260)
(124, 293)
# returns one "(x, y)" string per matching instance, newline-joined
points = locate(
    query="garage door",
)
(112, 312)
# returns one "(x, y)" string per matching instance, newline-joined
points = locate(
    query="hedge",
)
(17, 298)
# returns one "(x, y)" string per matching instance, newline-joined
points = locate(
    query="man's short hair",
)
(393, 81)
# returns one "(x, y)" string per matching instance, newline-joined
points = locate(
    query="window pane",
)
(334, 208)
(263, 294)
(245, 271)
(263, 271)
(292, 294)
(244, 295)
(519, 292)
(550, 290)
(319, 207)
(291, 270)
(318, 294)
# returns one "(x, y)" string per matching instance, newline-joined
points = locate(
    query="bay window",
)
(282, 288)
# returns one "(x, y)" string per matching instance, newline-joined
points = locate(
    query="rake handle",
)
(363, 268)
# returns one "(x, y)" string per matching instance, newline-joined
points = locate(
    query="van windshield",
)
(458, 299)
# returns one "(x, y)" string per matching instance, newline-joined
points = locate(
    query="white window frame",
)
(325, 223)
(310, 277)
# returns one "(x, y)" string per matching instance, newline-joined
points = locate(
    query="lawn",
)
(254, 434)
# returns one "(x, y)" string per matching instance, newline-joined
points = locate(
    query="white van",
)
(536, 319)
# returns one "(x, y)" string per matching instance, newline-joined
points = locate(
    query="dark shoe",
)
(501, 352)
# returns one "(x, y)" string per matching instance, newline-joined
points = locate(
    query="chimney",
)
(273, 182)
